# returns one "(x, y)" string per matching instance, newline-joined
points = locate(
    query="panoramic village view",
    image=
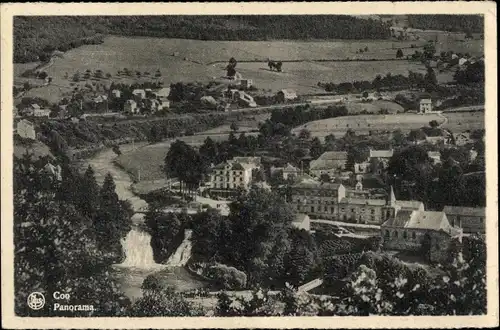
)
(249, 165)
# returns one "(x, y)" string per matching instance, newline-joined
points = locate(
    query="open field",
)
(150, 159)
(463, 121)
(192, 59)
(364, 123)
(374, 107)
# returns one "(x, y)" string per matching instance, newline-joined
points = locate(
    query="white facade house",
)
(435, 156)
(231, 176)
(26, 129)
(162, 94)
(425, 105)
(41, 113)
(139, 93)
(286, 95)
(245, 100)
(116, 93)
(130, 106)
(302, 221)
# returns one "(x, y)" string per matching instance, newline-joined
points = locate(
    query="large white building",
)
(229, 176)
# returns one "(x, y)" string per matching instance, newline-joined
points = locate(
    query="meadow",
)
(362, 124)
(196, 60)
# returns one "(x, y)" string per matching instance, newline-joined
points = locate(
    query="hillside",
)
(36, 37)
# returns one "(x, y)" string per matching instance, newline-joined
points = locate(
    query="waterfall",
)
(183, 253)
(138, 251)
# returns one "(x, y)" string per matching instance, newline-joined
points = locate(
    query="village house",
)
(245, 100)
(285, 95)
(54, 171)
(162, 94)
(435, 156)
(287, 172)
(246, 83)
(226, 177)
(317, 198)
(362, 168)
(130, 106)
(462, 139)
(470, 219)
(411, 231)
(208, 101)
(302, 221)
(26, 129)
(383, 157)
(330, 162)
(30, 110)
(139, 94)
(116, 93)
(41, 113)
(434, 140)
(425, 105)
(100, 99)
(472, 155)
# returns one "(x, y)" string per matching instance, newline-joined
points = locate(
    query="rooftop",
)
(333, 155)
(410, 205)
(430, 220)
(381, 153)
(465, 211)
(300, 217)
(307, 183)
(363, 201)
(164, 92)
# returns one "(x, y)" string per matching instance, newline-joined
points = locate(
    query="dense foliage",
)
(377, 284)
(67, 234)
(456, 181)
(257, 238)
(36, 37)
(452, 23)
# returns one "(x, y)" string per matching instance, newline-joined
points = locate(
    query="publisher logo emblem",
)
(36, 300)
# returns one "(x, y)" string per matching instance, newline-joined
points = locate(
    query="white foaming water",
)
(183, 253)
(138, 251)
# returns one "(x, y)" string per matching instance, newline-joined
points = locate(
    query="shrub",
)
(226, 276)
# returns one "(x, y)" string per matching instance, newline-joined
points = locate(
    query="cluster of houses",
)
(148, 99)
(404, 224)
(33, 110)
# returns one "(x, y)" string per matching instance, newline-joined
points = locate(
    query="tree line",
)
(35, 38)
(452, 23)
(387, 82)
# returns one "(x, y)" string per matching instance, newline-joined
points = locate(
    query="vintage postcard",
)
(249, 165)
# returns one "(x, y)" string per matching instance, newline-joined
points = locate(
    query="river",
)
(139, 261)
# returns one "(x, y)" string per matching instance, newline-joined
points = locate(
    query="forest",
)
(36, 37)
(452, 23)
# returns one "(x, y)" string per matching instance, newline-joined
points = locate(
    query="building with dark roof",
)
(302, 221)
(471, 219)
(330, 162)
(416, 231)
(331, 201)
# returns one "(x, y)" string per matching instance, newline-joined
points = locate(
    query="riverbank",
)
(139, 262)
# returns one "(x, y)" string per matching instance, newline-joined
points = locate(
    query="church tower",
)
(391, 208)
